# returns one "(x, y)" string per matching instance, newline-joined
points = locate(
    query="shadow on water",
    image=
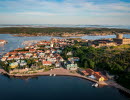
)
(124, 94)
(22, 78)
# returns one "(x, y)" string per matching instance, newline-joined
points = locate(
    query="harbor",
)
(64, 72)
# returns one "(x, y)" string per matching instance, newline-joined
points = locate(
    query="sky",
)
(95, 12)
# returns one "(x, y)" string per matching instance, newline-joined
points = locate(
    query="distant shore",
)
(61, 31)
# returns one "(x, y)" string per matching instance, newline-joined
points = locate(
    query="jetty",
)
(118, 86)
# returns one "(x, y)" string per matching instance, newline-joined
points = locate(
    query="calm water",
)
(52, 88)
(16, 42)
(55, 88)
(65, 25)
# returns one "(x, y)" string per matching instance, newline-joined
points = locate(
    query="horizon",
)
(84, 12)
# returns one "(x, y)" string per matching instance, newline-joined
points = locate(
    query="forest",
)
(114, 61)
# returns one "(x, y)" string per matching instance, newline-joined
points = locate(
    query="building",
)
(71, 66)
(57, 64)
(47, 63)
(89, 71)
(99, 77)
(13, 65)
(3, 59)
(120, 40)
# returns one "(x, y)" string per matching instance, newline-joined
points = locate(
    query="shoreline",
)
(102, 83)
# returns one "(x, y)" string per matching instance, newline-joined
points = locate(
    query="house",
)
(73, 59)
(47, 46)
(3, 59)
(70, 66)
(23, 63)
(32, 50)
(13, 65)
(6, 55)
(59, 51)
(27, 57)
(69, 53)
(89, 71)
(57, 64)
(17, 58)
(21, 57)
(85, 73)
(99, 77)
(76, 58)
(12, 53)
(47, 51)
(29, 54)
(10, 58)
(47, 63)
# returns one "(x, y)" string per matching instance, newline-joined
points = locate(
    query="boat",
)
(54, 74)
(50, 74)
(95, 85)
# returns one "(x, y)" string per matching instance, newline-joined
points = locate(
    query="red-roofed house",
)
(99, 76)
(3, 59)
(32, 50)
(89, 71)
(47, 63)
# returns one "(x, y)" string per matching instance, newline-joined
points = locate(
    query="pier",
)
(118, 86)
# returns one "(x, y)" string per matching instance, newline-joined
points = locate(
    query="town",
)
(50, 57)
(43, 56)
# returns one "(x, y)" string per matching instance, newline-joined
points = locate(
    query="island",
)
(3, 42)
(61, 31)
(103, 61)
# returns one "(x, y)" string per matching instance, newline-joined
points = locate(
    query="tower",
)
(119, 36)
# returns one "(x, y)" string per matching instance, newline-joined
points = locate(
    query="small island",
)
(3, 42)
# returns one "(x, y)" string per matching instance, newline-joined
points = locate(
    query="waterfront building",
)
(99, 77)
(71, 66)
(57, 64)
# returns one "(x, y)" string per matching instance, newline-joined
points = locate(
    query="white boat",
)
(50, 74)
(54, 74)
(95, 85)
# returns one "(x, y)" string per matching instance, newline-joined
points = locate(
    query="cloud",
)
(65, 8)
(37, 13)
